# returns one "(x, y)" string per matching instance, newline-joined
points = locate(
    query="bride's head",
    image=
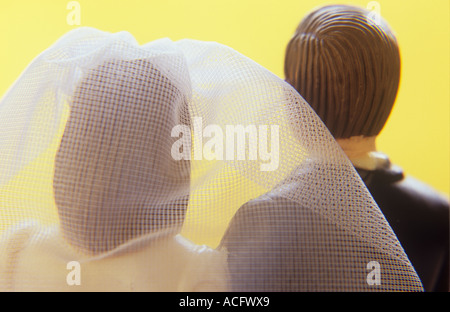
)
(114, 178)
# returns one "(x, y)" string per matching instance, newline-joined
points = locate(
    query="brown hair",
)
(346, 67)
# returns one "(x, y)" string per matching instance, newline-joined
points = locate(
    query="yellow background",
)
(417, 134)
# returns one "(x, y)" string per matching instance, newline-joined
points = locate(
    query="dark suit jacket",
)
(275, 244)
(419, 217)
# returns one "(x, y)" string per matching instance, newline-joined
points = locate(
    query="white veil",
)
(183, 159)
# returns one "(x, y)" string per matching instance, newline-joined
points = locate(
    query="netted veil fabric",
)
(178, 166)
(120, 196)
(115, 158)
